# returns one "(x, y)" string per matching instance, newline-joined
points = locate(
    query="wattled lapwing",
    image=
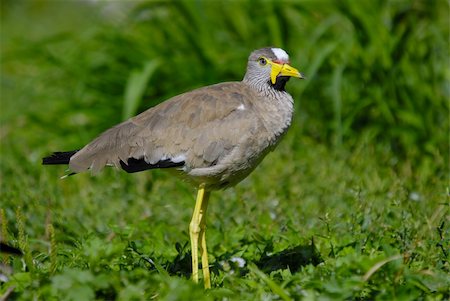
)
(213, 136)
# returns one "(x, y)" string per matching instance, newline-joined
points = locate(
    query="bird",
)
(212, 137)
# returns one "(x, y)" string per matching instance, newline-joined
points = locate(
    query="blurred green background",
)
(377, 70)
(373, 112)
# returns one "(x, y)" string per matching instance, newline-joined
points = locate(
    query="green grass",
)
(352, 205)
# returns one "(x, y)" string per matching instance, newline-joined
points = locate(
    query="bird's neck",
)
(275, 107)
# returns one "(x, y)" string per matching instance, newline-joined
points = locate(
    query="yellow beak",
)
(283, 70)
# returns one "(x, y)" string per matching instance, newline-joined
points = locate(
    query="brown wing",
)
(198, 128)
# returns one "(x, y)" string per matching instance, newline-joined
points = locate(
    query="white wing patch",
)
(241, 107)
(179, 158)
(280, 54)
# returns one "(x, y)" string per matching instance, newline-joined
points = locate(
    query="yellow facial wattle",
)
(283, 70)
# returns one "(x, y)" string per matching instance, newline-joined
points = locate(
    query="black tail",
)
(58, 158)
(4, 248)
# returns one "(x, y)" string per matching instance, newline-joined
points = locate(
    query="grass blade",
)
(135, 87)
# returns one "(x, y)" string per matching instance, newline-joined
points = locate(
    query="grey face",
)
(264, 65)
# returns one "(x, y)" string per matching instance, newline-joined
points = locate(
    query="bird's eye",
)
(262, 61)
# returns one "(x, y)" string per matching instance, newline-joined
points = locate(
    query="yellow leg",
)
(197, 230)
(203, 250)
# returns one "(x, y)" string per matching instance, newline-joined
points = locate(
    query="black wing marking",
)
(132, 165)
(59, 158)
(136, 165)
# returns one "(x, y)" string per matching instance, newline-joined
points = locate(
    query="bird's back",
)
(214, 134)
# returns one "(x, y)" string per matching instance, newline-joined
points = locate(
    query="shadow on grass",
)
(292, 258)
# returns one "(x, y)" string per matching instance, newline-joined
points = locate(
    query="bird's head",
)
(271, 65)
